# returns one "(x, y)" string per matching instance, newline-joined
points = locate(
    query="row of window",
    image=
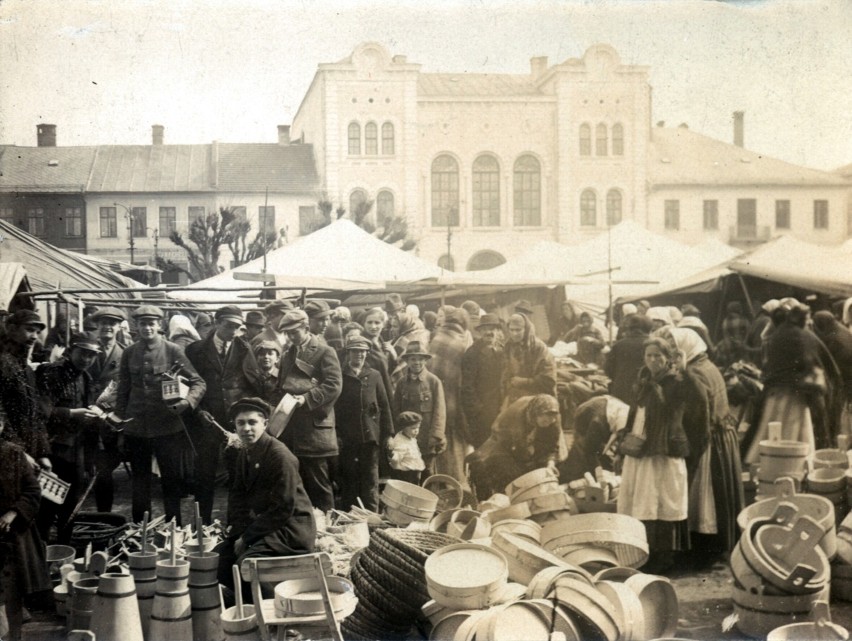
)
(371, 139)
(746, 215)
(526, 191)
(168, 219)
(607, 141)
(72, 217)
(589, 207)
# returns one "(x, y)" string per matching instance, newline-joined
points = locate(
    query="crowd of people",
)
(295, 408)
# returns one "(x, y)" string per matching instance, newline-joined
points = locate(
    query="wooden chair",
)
(272, 570)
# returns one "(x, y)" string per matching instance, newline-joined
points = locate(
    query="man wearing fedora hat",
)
(18, 397)
(156, 428)
(66, 391)
(310, 372)
(482, 372)
(419, 390)
(222, 359)
(364, 424)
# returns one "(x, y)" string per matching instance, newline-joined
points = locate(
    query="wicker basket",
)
(98, 528)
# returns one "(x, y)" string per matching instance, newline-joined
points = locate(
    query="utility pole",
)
(129, 214)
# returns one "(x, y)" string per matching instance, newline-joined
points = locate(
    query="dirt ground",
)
(704, 597)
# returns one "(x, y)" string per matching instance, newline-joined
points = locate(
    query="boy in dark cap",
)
(18, 397)
(269, 513)
(254, 325)
(222, 359)
(156, 428)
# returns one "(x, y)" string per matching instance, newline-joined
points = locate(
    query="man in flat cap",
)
(481, 384)
(364, 424)
(269, 513)
(274, 312)
(319, 318)
(310, 372)
(156, 428)
(103, 372)
(66, 391)
(220, 359)
(18, 397)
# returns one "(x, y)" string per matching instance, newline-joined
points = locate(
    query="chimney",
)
(157, 134)
(739, 128)
(46, 135)
(538, 66)
(283, 134)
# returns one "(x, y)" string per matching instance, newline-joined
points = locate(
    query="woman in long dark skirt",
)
(715, 471)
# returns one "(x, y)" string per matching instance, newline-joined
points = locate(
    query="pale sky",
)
(104, 71)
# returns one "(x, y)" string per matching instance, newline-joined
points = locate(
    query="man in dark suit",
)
(103, 372)
(219, 359)
(310, 372)
(269, 513)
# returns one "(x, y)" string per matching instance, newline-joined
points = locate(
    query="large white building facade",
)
(500, 161)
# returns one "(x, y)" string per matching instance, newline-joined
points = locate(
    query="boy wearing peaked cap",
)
(405, 459)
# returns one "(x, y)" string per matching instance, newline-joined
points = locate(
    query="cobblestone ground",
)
(704, 597)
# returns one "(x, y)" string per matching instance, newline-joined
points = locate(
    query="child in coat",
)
(405, 459)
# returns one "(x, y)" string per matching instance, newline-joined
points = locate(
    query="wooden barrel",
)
(841, 581)
(450, 581)
(82, 600)
(236, 628)
(628, 607)
(808, 631)
(759, 614)
(525, 559)
(57, 556)
(622, 534)
(519, 527)
(116, 612)
(831, 483)
(143, 569)
(782, 458)
(171, 613)
(204, 596)
(659, 604)
(60, 600)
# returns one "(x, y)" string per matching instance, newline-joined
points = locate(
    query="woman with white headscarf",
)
(715, 472)
(182, 331)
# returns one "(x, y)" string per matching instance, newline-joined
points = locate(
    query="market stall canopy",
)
(50, 267)
(638, 259)
(821, 268)
(341, 256)
(13, 279)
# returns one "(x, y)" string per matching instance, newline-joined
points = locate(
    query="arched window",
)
(485, 259)
(600, 140)
(526, 190)
(613, 207)
(371, 139)
(384, 205)
(585, 140)
(387, 139)
(356, 200)
(445, 191)
(617, 140)
(354, 139)
(486, 192)
(588, 208)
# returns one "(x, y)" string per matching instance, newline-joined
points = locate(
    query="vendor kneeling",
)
(525, 436)
(269, 513)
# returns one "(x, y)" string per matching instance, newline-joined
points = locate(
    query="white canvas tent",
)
(638, 259)
(341, 256)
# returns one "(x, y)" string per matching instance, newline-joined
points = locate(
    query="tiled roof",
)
(845, 170)
(33, 169)
(256, 166)
(679, 156)
(475, 84)
(151, 168)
